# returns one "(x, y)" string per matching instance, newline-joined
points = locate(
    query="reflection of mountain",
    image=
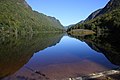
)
(16, 51)
(108, 44)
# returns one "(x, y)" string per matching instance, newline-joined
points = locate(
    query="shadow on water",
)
(106, 43)
(15, 51)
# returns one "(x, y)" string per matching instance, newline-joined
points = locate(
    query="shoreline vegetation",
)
(30, 33)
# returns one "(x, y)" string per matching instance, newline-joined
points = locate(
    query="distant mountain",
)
(16, 16)
(69, 26)
(66, 27)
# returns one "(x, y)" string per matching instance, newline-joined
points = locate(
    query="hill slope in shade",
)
(93, 15)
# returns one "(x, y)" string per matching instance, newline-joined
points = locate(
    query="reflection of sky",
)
(69, 50)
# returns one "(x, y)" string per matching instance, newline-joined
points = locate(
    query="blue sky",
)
(67, 11)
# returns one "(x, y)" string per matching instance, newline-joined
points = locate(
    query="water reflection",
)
(15, 51)
(107, 43)
(69, 58)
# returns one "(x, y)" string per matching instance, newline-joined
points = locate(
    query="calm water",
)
(51, 57)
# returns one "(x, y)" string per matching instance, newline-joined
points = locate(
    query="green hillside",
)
(16, 16)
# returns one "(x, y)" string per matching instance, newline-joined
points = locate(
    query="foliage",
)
(16, 16)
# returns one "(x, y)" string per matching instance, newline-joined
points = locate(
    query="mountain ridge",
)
(111, 5)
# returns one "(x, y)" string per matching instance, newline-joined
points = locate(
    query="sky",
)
(67, 11)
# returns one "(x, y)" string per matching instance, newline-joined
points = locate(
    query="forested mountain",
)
(107, 19)
(16, 16)
(112, 4)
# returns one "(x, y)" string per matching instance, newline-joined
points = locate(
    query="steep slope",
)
(112, 4)
(16, 16)
(93, 15)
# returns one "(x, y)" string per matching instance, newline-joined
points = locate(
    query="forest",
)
(17, 17)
